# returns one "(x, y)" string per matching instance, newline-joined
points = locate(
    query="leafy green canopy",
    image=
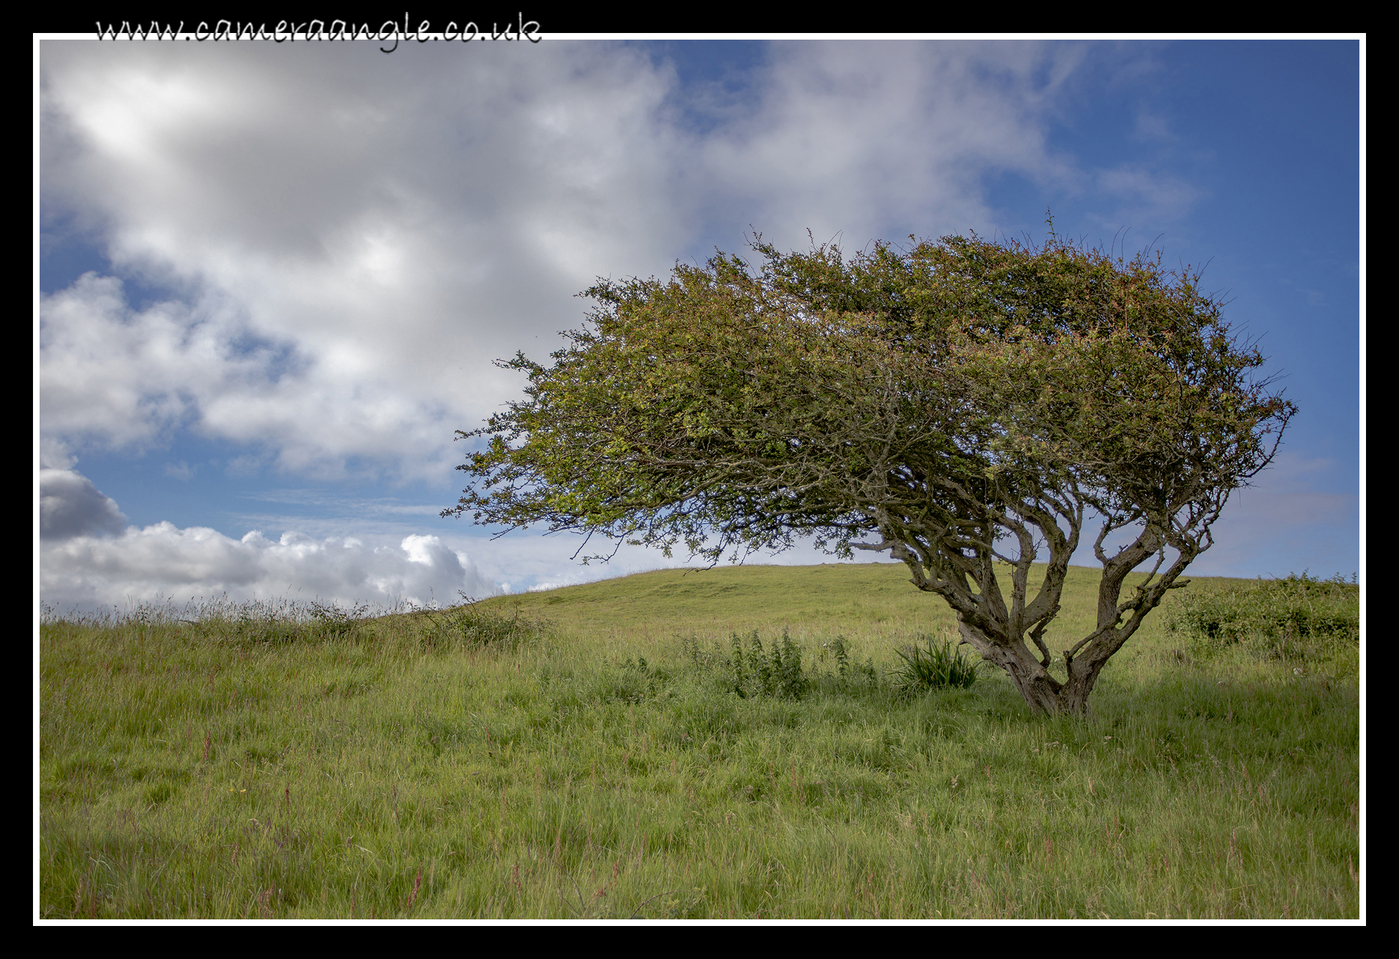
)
(962, 401)
(730, 407)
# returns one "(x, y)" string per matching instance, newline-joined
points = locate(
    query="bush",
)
(476, 627)
(332, 622)
(852, 673)
(1286, 618)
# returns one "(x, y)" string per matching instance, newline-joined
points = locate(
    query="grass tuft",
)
(928, 667)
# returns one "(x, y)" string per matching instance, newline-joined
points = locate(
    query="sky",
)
(271, 279)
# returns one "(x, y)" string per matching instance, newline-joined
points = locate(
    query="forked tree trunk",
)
(1041, 691)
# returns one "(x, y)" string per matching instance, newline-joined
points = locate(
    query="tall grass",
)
(486, 761)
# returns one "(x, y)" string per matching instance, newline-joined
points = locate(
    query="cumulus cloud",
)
(53, 454)
(163, 561)
(130, 378)
(340, 244)
(69, 506)
(88, 557)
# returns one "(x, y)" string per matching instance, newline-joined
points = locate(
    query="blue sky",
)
(272, 277)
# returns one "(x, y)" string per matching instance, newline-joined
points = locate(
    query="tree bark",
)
(1040, 690)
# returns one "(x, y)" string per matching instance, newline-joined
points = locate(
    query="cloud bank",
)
(88, 557)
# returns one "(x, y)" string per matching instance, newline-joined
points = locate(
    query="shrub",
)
(332, 622)
(1287, 618)
(478, 627)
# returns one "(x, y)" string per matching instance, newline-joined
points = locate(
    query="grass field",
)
(586, 753)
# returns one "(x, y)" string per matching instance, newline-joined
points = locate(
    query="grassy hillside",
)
(590, 752)
(869, 599)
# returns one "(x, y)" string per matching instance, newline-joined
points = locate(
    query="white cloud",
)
(163, 561)
(1150, 195)
(346, 242)
(79, 565)
(131, 378)
(53, 454)
(1153, 127)
(854, 135)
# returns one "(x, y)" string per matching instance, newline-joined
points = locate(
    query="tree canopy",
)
(959, 404)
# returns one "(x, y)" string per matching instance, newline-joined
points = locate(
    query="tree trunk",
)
(1041, 691)
(1083, 676)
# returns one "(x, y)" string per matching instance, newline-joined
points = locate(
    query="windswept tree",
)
(969, 407)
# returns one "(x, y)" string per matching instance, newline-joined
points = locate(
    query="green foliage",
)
(752, 671)
(846, 671)
(754, 398)
(758, 672)
(928, 667)
(332, 622)
(842, 655)
(638, 681)
(477, 626)
(1287, 618)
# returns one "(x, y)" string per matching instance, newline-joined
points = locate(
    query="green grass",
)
(485, 763)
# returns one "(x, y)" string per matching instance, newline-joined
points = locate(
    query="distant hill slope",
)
(811, 601)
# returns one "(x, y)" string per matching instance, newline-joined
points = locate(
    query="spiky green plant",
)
(760, 672)
(927, 667)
